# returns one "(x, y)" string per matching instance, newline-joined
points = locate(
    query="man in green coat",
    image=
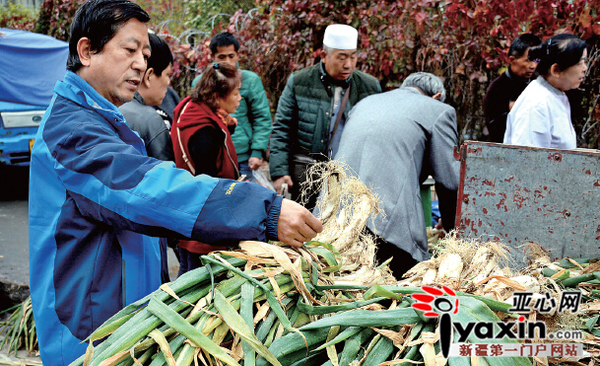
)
(251, 136)
(306, 127)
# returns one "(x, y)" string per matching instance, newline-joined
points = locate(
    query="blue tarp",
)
(435, 212)
(30, 66)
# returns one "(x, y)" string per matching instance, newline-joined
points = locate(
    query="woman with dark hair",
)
(541, 115)
(201, 138)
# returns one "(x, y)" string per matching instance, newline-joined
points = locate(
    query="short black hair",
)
(223, 39)
(565, 50)
(161, 56)
(520, 44)
(100, 20)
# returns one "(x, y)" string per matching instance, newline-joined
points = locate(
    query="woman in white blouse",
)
(541, 116)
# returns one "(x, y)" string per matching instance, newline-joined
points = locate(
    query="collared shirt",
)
(541, 117)
(335, 141)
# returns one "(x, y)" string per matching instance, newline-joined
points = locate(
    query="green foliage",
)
(55, 17)
(165, 15)
(464, 42)
(17, 16)
(205, 14)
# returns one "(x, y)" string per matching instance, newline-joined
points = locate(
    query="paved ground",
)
(14, 255)
(21, 358)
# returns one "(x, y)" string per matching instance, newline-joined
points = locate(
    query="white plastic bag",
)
(261, 179)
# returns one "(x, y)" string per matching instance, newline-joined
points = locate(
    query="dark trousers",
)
(245, 170)
(188, 261)
(164, 264)
(402, 261)
(299, 172)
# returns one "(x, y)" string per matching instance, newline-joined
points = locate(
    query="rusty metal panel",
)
(516, 194)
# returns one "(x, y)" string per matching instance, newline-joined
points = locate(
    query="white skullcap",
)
(341, 37)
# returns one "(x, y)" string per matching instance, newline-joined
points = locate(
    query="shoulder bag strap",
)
(339, 115)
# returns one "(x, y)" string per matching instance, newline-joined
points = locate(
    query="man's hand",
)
(254, 163)
(279, 182)
(296, 224)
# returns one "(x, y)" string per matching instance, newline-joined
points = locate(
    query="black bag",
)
(299, 168)
(300, 164)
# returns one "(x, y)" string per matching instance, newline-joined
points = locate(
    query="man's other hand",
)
(279, 182)
(296, 224)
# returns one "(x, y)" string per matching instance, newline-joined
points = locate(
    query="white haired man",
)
(394, 141)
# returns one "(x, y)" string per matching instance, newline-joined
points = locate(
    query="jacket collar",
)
(516, 78)
(542, 80)
(138, 98)
(410, 89)
(79, 91)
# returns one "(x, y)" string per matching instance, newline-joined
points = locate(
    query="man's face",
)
(227, 54)
(340, 64)
(157, 86)
(117, 70)
(522, 66)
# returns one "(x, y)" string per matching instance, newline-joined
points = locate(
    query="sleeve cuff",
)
(273, 218)
(256, 154)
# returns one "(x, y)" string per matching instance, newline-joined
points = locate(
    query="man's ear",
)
(323, 54)
(511, 59)
(437, 96)
(84, 51)
(148, 75)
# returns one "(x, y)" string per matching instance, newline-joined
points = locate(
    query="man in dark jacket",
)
(506, 88)
(306, 126)
(98, 203)
(141, 113)
(153, 124)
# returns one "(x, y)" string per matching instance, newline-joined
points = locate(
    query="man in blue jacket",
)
(98, 203)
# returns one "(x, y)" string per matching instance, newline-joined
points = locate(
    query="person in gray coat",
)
(394, 141)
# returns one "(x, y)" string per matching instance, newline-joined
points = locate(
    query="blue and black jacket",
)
(97, 205)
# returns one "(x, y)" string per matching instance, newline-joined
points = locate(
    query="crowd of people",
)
(122, 169)
(529, 104)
